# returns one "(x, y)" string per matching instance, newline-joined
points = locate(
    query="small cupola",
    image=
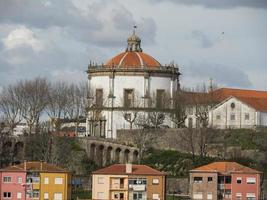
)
(134, 42)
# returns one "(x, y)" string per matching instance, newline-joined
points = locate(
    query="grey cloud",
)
(220, 4)
(86, 25)
(204, 40)
(221, 74)
(35, 13)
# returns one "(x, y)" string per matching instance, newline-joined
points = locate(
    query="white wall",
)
(225, 111)
(263, 119)
(137, 83)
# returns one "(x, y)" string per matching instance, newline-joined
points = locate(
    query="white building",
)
(124, 85)
(20, 129)
(239, 112)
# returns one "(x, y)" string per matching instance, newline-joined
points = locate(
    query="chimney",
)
(41, 168)
(25, 165)
(129, 168)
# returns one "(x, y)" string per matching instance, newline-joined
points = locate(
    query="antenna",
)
(135, 27)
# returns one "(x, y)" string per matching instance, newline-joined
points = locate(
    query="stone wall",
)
(172, 139)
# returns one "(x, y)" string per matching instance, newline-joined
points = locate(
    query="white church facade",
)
(131, 82)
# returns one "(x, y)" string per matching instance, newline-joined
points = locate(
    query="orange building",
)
(224, 180)
(128, 182)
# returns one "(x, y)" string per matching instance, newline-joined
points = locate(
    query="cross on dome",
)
(134, 42)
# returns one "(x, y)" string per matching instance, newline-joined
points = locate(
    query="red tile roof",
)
(225, 168)
(253, 98)
(34, 166)
(224, 93)
(133, 60)
(120, 169)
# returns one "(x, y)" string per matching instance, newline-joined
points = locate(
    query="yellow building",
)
(45, 181)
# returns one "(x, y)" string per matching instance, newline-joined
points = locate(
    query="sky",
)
(222, 40)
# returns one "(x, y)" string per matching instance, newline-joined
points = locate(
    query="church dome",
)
(133, 57)
(133, 60)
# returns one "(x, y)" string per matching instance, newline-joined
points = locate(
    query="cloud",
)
(22, 37)
(99, 22)
(223, 75)
(203, 39)
(220, 4)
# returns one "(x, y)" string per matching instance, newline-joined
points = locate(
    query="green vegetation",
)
(178, 165)
(175, 163)
(244, 138)
(81, 194)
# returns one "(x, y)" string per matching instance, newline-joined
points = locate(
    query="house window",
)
(155, 196)
(228, 194)
(128, 98)
(7, 195)
(246, 116)
(160, 98)
(232, 105)
(228, 179)
(198, 179)
(46, 196)
(251, 180)
(209, 195)
(218, 117)
(7, 179)
(232, 117)
(57, 196)
(238, 180)
(35, 194)
(46, 180)
(100, 195)
(99, 97)
(100, 180)
(251, 196)
(155, 181)
(209, 179)
(238, 196)
(58, 181)
(19, 195)
(19, 179)
(198, 195)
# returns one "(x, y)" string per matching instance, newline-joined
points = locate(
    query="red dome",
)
(133, 59)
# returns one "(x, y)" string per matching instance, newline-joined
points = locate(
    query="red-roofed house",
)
(224, 180)
(128, 182)
(229, 108)
(240, 110)
(35, 180)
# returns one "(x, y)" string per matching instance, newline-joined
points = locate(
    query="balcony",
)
(139, 187)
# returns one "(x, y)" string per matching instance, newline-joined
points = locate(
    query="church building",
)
(129, 85)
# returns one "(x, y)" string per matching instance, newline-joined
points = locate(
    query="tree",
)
(32, 99)
(130, 113)
(9, 105)
(5, 145)
(77, 102)
(144, 136)
(178, 114)
(57, 103)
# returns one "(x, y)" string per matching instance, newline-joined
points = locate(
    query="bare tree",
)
(130, 113)
(10, 107)
(77, 102)
(144, 136)
(5, 145)
(178, 114)
(57, 103)
(32, 99)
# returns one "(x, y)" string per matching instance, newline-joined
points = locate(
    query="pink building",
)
(12, 186)
(225, 180)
